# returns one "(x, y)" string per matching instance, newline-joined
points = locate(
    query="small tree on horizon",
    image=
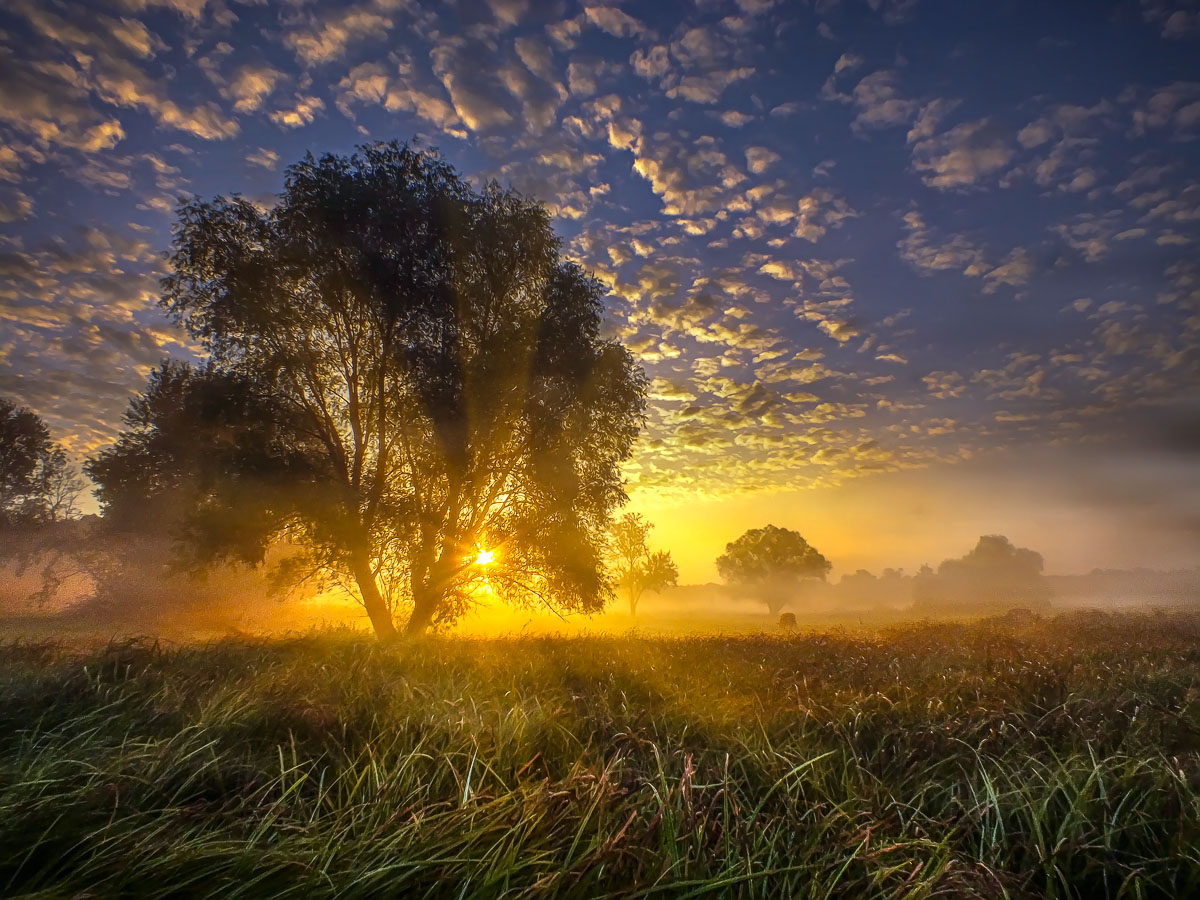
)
(636, 567)
(407, 383)
(772, 561)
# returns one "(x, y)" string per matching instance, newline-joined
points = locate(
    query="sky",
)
(902, 272)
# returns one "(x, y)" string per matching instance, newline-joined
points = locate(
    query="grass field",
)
(1061, 760)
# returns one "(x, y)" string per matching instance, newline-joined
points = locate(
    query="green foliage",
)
(635, 566)
(956, 761)
(403, 371)
(773, 561)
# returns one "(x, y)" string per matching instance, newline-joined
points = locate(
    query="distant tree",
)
(38, 486)
(995, 554)
(772, 561)
(636, 568)
(865, 589)
(993, 575)
(924, 586)
(38, 493)
(407, 383)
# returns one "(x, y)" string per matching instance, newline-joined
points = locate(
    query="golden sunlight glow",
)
(484, 557)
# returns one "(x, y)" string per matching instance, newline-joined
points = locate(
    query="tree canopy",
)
(38, 486)
(407, 381)
(636, 567)
(772, 561)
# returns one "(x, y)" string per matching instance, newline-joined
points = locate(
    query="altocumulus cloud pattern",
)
(844, 236)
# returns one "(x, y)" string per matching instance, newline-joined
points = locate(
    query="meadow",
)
(1058, 758)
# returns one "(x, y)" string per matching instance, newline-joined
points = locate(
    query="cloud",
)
(1178, 18)
(325, 37)
(100, 66)
(1090, 234)
(894, 12)
(921, 249)
(880, 103)
(473, 89)
(190, 10)
(509, 12)
(399, 90)
(1176, 106)
(928, 253)
(536, 56)
(945, 385)
(965, 155)
(814, 214)
(539, 98)
(1036, 133)
(584, 76)
(1016, 270)
(847, 62)
(125, 85)
(365, 83)
(651, 63)
(302, 112)
(15, 205)
(734, 118)
(48, 102)
(701, 47)
(759, 159)
(251, 85)
(930, 117)
(565, 34)
(687, 175)
(687, 179)
(80, 315)
(616, 22)
(708, 87)
(264, 157)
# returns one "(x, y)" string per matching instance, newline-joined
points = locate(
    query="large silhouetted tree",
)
(773, 562)
(636, 567)
(407, 381)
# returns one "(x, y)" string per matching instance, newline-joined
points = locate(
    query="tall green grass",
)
(930, 761)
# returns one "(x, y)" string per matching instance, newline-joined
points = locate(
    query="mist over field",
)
(53, 592)
(599, 450)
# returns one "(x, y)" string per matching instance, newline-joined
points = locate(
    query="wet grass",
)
(1061, 760)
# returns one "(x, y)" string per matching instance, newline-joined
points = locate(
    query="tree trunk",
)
(373, 602)
(429, 584)
(425, 604)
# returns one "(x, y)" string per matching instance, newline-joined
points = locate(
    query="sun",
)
(485, 557)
